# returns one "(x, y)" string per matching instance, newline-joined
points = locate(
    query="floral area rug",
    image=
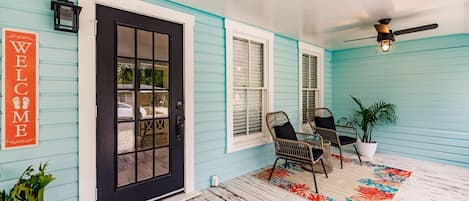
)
(367, 182)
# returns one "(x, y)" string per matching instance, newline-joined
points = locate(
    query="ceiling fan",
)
(386, 36)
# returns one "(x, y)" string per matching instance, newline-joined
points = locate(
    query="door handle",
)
(180, 127)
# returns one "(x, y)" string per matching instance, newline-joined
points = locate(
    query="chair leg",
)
(324, 168)
(341, 162)
(273, 168)
(356, 151)
(314, 177)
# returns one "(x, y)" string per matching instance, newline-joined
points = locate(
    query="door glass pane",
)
(125, 41)
(161, 47)
(125, 105)
(161, 104)
(144, 44)
(145, 69)
(125, 137)
(161, 132)
(145, 165)
(161, 75)
(125, 169)
(161, 161)
(125, 73)
(145, 135)
(145, 100)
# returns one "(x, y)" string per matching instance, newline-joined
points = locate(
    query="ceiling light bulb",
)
(385, 45)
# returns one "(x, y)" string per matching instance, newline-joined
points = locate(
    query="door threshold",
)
(183, 196)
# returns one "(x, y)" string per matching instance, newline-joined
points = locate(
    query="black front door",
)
(140, 122)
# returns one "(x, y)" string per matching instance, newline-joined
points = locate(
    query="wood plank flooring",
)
(430, 181)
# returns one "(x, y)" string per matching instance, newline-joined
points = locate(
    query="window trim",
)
(236, 29)
(319, 53)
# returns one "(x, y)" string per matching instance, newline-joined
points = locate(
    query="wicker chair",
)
(289, 148)
(323, 124)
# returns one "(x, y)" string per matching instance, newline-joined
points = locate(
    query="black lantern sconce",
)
(65, 15)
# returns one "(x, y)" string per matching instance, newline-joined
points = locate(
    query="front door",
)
(140, 120)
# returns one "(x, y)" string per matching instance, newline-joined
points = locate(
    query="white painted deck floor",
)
(430, 181)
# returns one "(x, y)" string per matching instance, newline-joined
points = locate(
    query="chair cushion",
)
(317, 153)
(324, 122)
(344, 140)
(285, 131)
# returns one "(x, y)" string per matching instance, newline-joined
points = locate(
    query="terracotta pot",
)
(367, 149)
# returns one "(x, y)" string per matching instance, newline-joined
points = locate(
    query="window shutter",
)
(241, 62)
(248, 86)
(305, 73)
(309, 88)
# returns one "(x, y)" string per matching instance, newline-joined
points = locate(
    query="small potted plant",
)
(366, 119)
(30, 185)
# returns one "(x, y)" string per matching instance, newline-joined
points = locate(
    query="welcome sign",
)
(19, 88)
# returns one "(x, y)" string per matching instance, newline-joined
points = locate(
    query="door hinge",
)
(96, 194)
(95, 27)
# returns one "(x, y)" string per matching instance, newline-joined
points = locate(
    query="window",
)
(249, 89)
(311, 86)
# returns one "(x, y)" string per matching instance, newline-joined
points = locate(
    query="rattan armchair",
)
(323, 124)
(292, 149)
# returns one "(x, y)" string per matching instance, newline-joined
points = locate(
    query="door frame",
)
(87, 111)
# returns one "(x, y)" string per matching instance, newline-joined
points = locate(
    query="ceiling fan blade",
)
(416, 29)
(381, 28)
(360, 39)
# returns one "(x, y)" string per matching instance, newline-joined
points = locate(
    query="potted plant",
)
(30, 185)
(366, 119)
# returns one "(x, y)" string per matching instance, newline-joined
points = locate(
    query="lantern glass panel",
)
(66, 16)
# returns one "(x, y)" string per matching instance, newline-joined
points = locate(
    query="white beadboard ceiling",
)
(328, 23)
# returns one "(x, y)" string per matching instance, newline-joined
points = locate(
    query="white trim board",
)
(234, 28)
(87, 88)
(319, 53)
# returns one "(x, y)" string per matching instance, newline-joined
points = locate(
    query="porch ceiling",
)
(328, 23)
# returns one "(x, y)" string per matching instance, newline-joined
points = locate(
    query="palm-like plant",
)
(367, 118)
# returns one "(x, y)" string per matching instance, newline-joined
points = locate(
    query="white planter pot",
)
(367, 149)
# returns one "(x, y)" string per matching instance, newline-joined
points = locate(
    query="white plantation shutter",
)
(309, 86)
(248, 86)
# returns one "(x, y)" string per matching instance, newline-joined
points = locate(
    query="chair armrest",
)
(352, 130)
(295, 149)
(327, 134)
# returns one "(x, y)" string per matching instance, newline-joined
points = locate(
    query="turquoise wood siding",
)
(428, 81)
(327, 78)
(58, 101)
(286, 72)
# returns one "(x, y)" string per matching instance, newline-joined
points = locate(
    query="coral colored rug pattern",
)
(366, 182)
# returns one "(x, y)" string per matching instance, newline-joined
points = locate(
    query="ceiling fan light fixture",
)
(385, 45)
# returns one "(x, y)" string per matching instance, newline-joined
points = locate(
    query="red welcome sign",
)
(19, 76)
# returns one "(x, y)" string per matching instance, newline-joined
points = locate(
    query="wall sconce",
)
(65, 15)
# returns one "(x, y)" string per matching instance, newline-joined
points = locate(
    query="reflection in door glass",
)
(162, 161)
(125, 137)
(144, 165)
(125, 105)
(125, 73)
(144, 45)
(145, 135)
(125, 41)
(125, 169)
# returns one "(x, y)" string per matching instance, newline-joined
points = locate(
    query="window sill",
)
(239, 145)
